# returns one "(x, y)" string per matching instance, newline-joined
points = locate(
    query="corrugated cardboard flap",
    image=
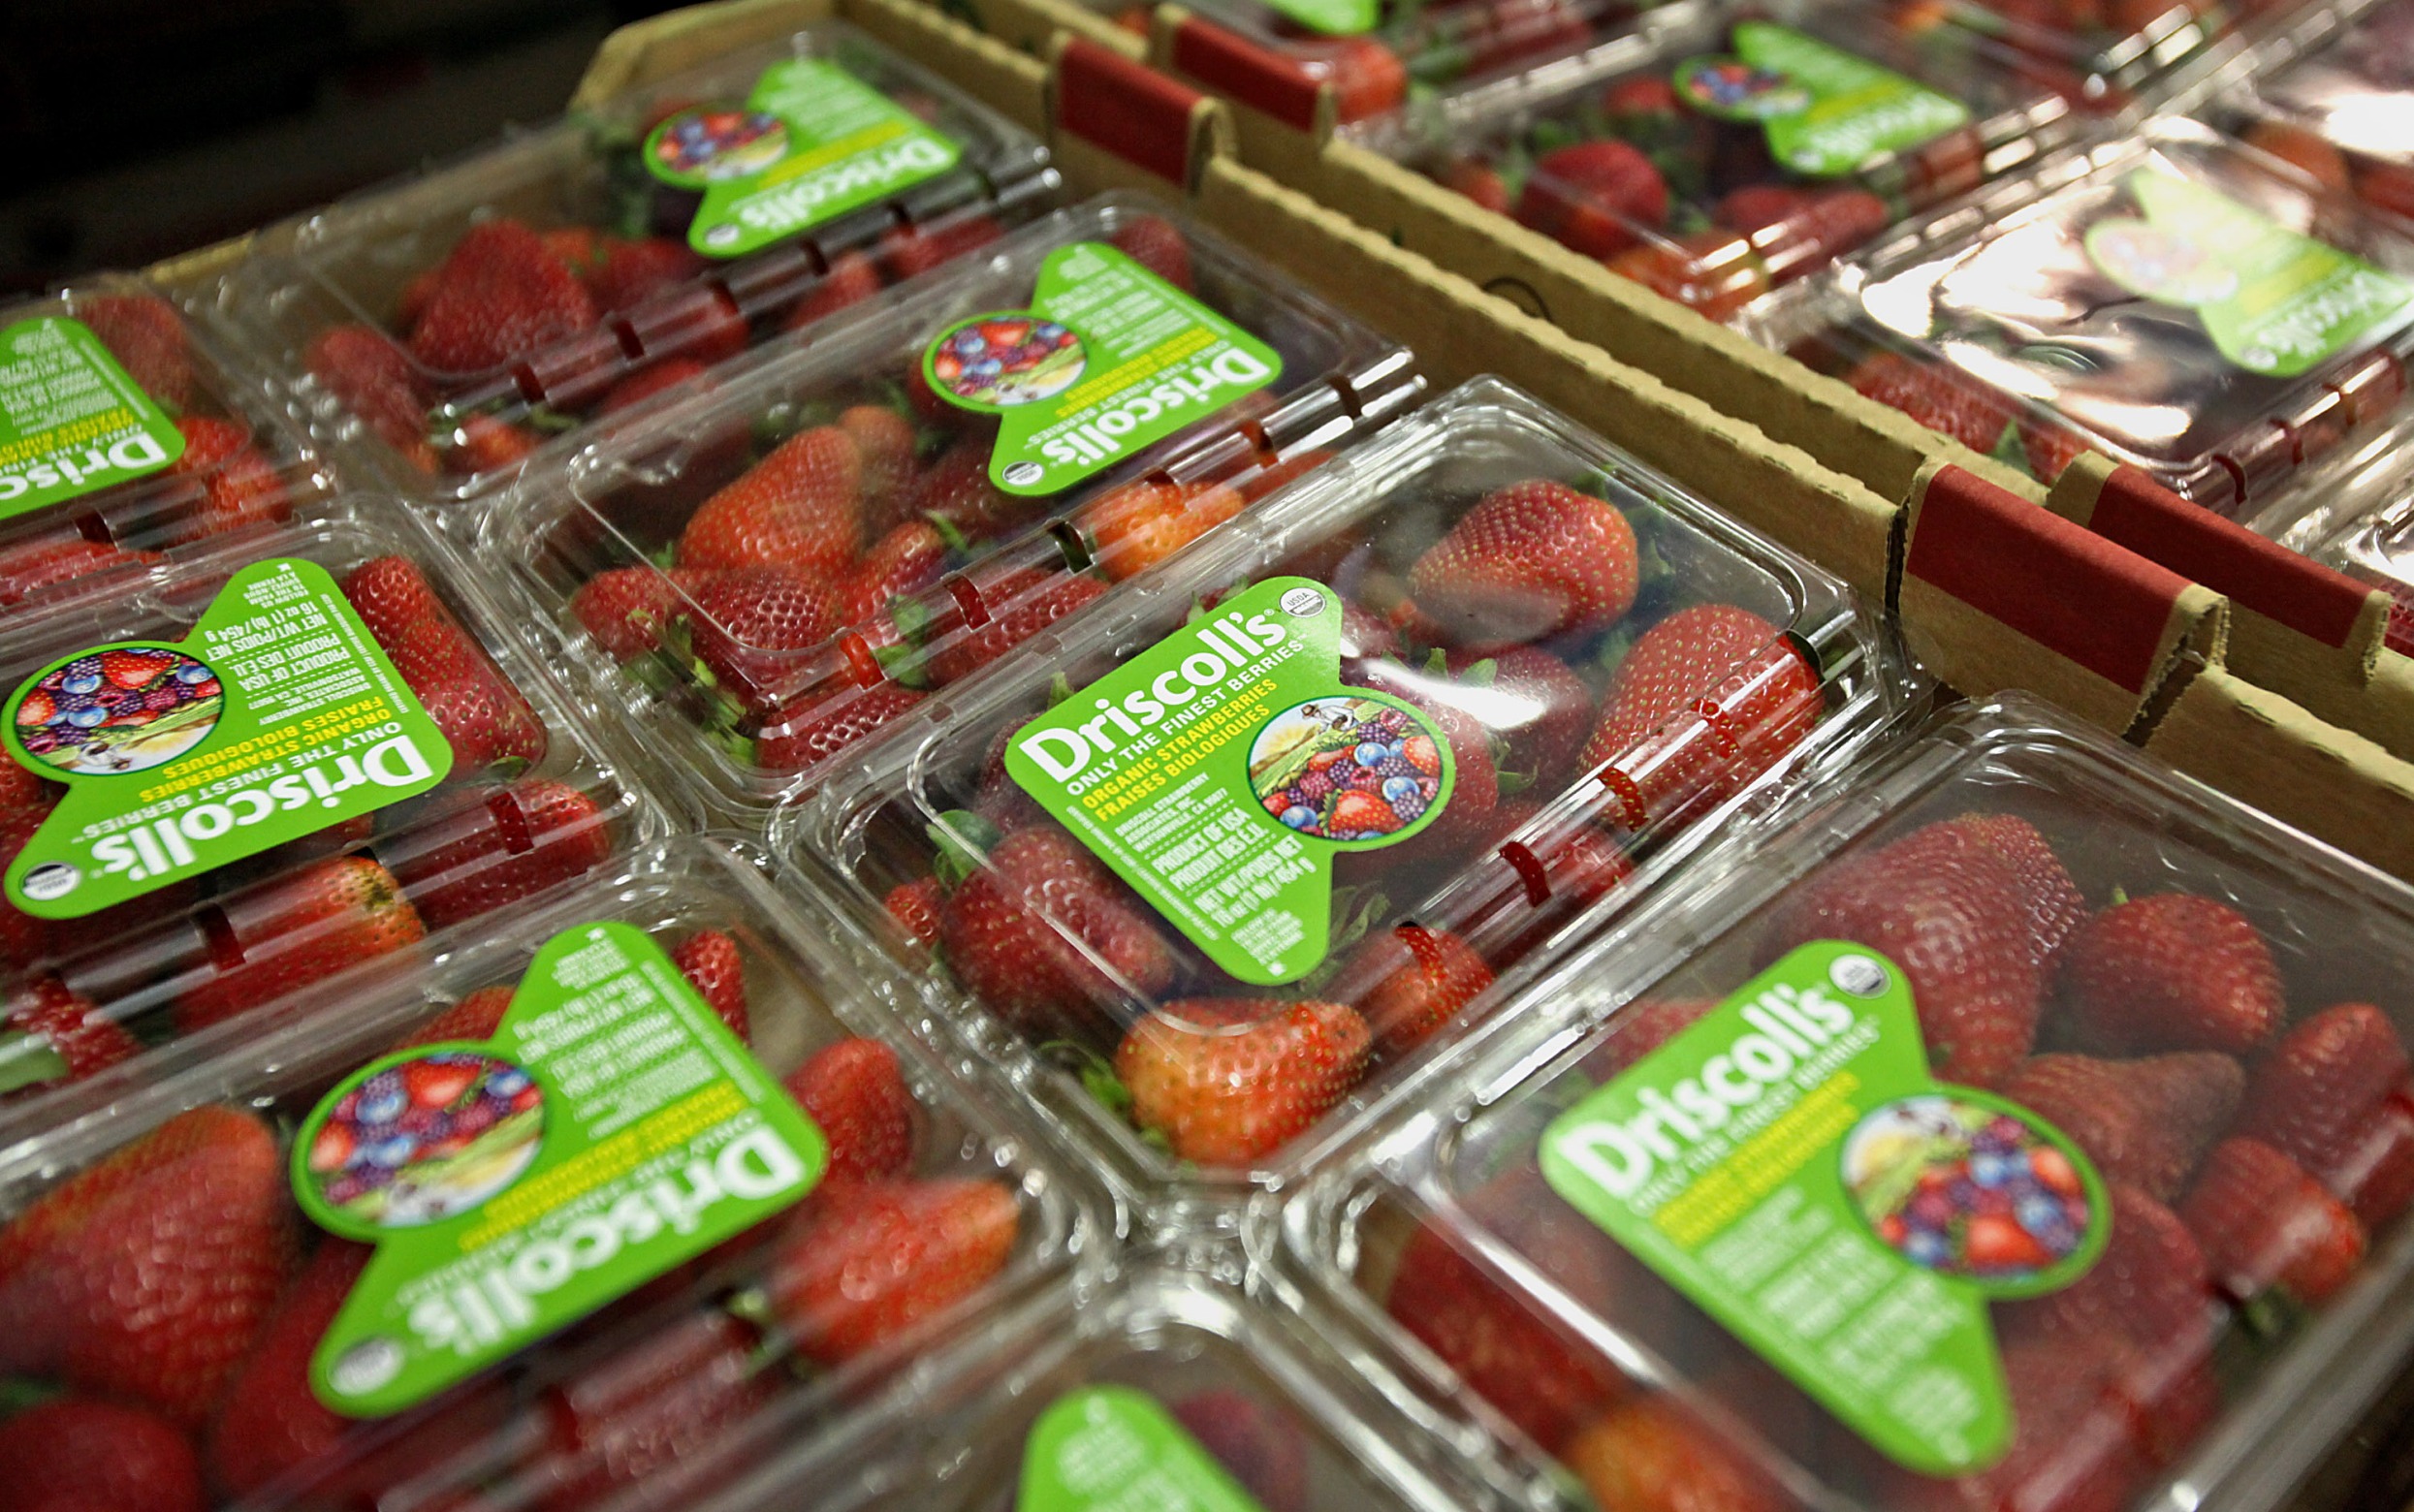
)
(1242, 71)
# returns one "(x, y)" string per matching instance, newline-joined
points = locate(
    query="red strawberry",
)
(23, 938)
(905, 562)
(298, 930)
(1022, 603)
(484, 719)
(500, 295)
(1530, 699)
(2387, 186)
(1942, 398)
(1595, 197)
(1706, 700)
(1229, 1081)
(653, 378)
(240, 488)
(956, 490)
(1478, 181)
(146, 1276)
(476, 1017)
(623, 610)
(635, 271)
(2376, 1176)
(1833, 223)
(2171, 971)
(2053, 903)
(855, 1095)
(81, 1452)
(1647, 1453)
(147, 336)
(853, 277)
(489, 443)
(1259, 1445)
(1368, 78)
(1714, 271)
(749, 628)
(641, 1411)
(2317, 1092)
(711, 962)
(915, 905)
(2074, 1449)
(1001, 946)
(373, 379)
(907, 251)
(857, 1271)
(1949, 914)
(1157, 245)
(2263, 1221)
(55, 1034)
(27, 570)
(1756, 207)
(888, 443)
(1409, 981)
(1141, 523)
(1531, 561)
(580, 249)
(804, 740)
(2303, 148)
(800, 507)
(477, 858)
(391, 596)
(2144, 1122)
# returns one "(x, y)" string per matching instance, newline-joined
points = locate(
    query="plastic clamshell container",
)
(533, 796)
(444, 417)
(2346, 112)
(944, 570)
(2120, 55)
(1748, 670)
(245, 465)
(2378, 548)
(2000, 322)
(663, 1391)
(2173, 1371)
(1711, 216)
(1249, 1381)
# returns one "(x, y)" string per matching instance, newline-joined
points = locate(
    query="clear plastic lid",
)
(2175, 300)
(185, 1274)
(766, 573)
(2115, 52)
(1395, 734)
(463, 321)
(2345, 114)
(1728, 154)
(303, 748)
(2378, 548)
(142, 438)
(2077, 1187)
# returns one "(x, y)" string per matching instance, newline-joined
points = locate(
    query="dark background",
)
(134, 129)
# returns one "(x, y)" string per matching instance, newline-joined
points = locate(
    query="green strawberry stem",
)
(30, 1061)
(962, 839)
(18, 1393)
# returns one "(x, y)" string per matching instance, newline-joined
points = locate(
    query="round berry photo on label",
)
(1348, 769)
(709, 144)
(1007, 361)
(126, 708)
(1975, 1190)
(421, 1139)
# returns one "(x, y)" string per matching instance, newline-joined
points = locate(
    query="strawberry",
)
(2376, 1176)
(671, 372)
(710, 961)
(853, 277)
(391, 596)
(363, 369)
(915, 905)
(1943, 398)
(800, 507)
(1367, 78)
(1532, 701)
(1947, 913)
(855, 1096)
(908, 560)
(2051, 899)
(1595, 197)
(2144, 1122)
(476, 1017)
(240, 488)
(647, 1409)
(1531, 561)
(623, 610)
(489, 443)
(1706, 700)
(56, 1034)
(1647, 1453)
(749, 628)
(298, 931)
(1831, 224)
(2387, 186)
(1157, 245)
(2263, 1221)
(910, 251)
(2318, 1090)
(1136, 526)
(1022, 602)
(484, 719)
(2170, 971)
(2074, 1448)
(2305, 151)
(147, 1275)
(580, 248)
(85, 1452)
(1259, 1445)
(1414, 980)
(888, 444)
(1714, 271)
(476, 858)
(147, 336)
(1478, 181)
(856, 1272)
(1229, 1081)
(499, 295)
(23, 938)
(1000, 931)
(26, 570)
(810, 735)
(1755, 209)
(956, 490)
(631, 272)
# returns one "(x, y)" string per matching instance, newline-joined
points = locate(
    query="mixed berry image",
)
(1008, 360)
(1963, 1189)
(124, 709)
(1345, 769)
(434, 1136)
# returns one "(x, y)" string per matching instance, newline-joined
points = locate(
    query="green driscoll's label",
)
(811, 142)
(1108, 360)
(2273, 301)
(1114, 1449)
(277, 716)
(1222, 770)
(612, 1129)
(1790, 1165)
(1824, 111)
(1332, 18)
(70, 420)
